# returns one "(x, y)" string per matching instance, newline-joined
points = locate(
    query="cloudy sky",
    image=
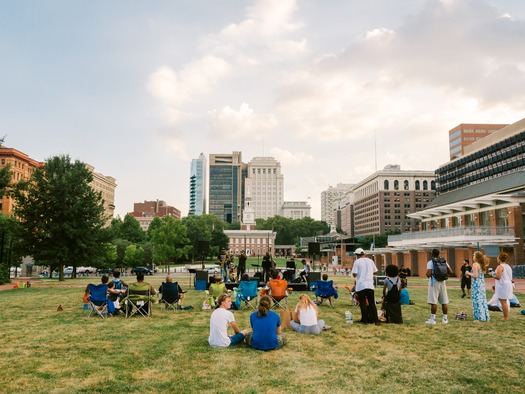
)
(137, 89)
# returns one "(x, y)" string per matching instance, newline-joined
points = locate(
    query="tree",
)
(169, 241)
(120, 246)
(198, 228)
(131, 230)
(60, 214)
(134, 255)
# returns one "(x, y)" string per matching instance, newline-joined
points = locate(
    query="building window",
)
(396, 185)
(417, 185)
(433, 185)
(425, 185)
(405, 185)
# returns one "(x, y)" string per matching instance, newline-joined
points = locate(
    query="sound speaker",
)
(314, 248)
(204, 247)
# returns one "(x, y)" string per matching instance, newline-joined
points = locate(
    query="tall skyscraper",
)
(198, 185)
(265, 186)
(226, 186)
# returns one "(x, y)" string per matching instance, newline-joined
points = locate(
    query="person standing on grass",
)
(466, 280)
(220, 319)
(241, 268)
(503, 276)
(479, 296)
(364, 270)
(437, 289)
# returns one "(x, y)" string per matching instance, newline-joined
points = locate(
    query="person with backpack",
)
(392, 295)
(437, 272)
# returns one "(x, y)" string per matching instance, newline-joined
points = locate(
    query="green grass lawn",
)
(43, 350)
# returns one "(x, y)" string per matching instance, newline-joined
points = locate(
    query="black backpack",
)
(440, 270)
(393, 294)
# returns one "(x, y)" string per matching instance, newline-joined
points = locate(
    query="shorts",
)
(437, 293)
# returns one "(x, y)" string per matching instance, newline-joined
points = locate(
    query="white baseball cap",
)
(359, 251)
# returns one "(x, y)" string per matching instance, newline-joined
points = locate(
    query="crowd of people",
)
(265, 324)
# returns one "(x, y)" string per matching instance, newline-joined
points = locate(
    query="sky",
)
(332, 89)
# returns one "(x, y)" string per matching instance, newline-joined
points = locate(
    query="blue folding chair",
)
(325, 291)
(99, 304)
(170, 295)
(248, 293)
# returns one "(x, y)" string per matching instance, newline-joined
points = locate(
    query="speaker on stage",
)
(203, 247)
(314, 248)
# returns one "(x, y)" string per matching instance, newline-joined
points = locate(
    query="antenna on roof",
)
(375, 148)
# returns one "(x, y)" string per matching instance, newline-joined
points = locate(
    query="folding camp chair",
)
(170, 295)
(138, 300)
(325, 291)
(278, 293)
(98, 300)
(248, 293)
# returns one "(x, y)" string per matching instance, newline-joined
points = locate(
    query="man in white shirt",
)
(219, 321)
(364, 269)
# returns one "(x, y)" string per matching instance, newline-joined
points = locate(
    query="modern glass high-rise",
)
(198, 186)
(226, 186)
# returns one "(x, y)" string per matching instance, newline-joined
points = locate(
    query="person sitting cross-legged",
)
(266, 326)
(220, 319)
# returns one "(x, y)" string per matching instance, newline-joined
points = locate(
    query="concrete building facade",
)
(330, 199)
(295, 209)
(265, 184)
(106, 186)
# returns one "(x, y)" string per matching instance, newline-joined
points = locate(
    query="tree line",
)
(58, 219)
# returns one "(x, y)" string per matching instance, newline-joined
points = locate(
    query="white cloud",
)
(289, 159)
(194, 79)
(231, 124)
(267, 18)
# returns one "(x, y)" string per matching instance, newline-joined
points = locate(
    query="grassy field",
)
(45, 351)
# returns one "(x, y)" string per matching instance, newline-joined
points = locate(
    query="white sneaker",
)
(430, 321)
(444, 321)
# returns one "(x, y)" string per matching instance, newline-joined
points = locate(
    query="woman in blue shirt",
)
(266, 327)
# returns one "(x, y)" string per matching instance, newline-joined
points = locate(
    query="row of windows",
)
(264, 171)
(406, 185)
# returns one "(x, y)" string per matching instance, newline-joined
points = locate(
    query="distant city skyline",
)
(138, 89)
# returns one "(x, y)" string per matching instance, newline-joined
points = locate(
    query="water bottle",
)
(349, 318)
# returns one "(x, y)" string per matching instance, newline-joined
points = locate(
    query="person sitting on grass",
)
(215, 290)
(404, 294)
(305, 318)
(220, 319)
(266, 326)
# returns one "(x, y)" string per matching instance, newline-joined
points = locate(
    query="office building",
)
(382, 201)
(296, 209)
(480, 205)
(145, 211)
(265, 184)
(105, 185)
(330, 202)
(226, 186)
(465, 134)
(198, 183)
(22, 166)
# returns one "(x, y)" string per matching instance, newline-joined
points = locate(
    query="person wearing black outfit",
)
(466, 281)
(241, 268)
(267, 265)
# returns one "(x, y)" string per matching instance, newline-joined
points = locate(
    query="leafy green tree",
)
(198, 228)
(60, 214)
(131, 230)
(155, 223)
(134, 255)
(170, 242)
(10, 255)
(120, 245)
(289, 231)
(147, 258)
